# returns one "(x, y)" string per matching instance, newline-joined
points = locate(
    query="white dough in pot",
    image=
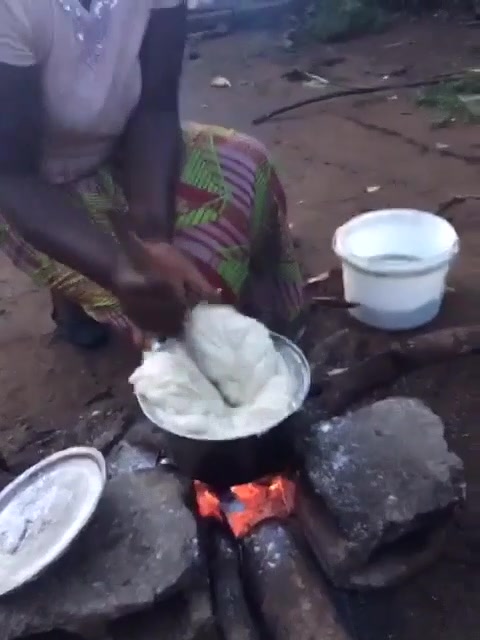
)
(171, 381)
(225, 380)
(234, 351)
(269, 406)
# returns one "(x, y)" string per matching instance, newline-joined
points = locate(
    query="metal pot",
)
(225, 463)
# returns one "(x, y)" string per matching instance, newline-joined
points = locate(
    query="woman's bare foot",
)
(77, 327)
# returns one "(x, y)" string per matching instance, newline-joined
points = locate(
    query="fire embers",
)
(245, 506)
(275, 591)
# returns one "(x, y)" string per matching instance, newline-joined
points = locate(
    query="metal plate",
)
(44, 510)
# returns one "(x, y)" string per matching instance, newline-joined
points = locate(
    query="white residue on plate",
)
(43, 511)
(37, 507)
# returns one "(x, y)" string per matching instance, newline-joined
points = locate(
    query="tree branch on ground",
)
(338, 391)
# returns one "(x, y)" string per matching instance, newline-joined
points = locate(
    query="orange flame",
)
(256, 501)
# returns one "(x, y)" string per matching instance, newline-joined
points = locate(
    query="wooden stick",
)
(333, 302)
(454, 200)
(359, 91)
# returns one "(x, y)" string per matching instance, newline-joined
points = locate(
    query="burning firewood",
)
(339, 390)
(289, 592)
(243, 506)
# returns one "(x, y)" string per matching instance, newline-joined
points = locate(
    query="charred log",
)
(341, 389)
(287, 590)
(231, 610)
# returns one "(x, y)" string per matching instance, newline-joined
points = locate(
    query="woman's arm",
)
(43, 215)
(153, 152)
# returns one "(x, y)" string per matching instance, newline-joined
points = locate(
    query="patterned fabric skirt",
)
(229, 202)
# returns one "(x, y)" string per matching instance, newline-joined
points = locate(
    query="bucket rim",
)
(399, 269)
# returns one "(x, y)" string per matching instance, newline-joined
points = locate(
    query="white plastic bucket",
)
(395, 263)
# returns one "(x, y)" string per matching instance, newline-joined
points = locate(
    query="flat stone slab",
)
(126, 458)
(180, 618)
(140, 548)
(380, 472)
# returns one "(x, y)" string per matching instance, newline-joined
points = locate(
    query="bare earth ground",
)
(328, 155)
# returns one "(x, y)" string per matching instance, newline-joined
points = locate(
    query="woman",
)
(105, 200)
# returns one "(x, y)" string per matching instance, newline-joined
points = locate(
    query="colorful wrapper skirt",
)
(229, 197)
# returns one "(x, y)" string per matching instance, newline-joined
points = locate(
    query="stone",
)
(59, 635)
(145, 435)
(125, 458)
(339, 557)
(371, 479)
(184, 617)
(100, 426)
(289, 591)
(140, 548)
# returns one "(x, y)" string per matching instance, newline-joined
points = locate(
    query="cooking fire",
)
(244, 506)
(270, 559)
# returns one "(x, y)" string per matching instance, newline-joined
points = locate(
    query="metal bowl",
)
(232, 461)
(297, 366)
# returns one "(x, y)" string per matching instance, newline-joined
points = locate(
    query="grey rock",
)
(373, 476)
(343, 562)
(145, 435)
(125, 458)
(140, 549)
(181, 618)
(100, 426)
(62, 635)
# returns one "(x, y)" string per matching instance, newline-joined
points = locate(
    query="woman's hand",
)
(177, 271)
(151, 305)
(156, 283)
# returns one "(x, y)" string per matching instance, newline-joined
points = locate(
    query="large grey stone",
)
(145, 435)
(141, 548)
(100, 425)
(342, 559)
(184, 617)
(371, 477)
(125, 458)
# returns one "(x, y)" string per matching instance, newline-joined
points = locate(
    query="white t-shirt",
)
(90, 71)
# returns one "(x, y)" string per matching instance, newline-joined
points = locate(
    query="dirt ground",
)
(328, 154)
